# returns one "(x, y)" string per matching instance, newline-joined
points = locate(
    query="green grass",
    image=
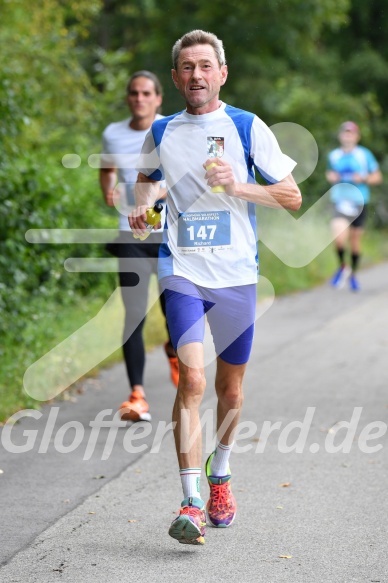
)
(290, 279)
(83, 339)
(51, 325)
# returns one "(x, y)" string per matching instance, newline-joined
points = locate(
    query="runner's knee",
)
(192, 382)
(231, 396)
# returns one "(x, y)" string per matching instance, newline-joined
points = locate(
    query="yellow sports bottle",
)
(215, 188)
(153, 218)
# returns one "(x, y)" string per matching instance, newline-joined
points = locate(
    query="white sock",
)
(219, 465)
(191, 482)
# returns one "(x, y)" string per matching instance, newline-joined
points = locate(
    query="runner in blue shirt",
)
(351, 170)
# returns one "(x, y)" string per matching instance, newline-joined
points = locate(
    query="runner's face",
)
(142, 99)
(348, 138)
(199, 78)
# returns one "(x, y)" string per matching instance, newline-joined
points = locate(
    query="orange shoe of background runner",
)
(135, 409)
(174, 366)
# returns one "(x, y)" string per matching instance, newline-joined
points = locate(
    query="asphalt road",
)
(309, 470)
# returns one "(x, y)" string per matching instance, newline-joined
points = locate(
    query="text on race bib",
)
(204, 231)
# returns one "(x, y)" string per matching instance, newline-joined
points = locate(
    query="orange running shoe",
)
(189, 527)
(221, 507)
(136, 409)
(174, 366)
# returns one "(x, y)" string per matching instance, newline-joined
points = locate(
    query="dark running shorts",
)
(355, 221)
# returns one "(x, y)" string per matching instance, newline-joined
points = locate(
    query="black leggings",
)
(137, 262)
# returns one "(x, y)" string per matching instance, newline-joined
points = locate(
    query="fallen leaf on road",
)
(279, 507)
(132, 520)
(285, 556)
(333, 428)
(285, 485)
(91, 513)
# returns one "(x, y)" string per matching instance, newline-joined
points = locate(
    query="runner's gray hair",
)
(198, 37)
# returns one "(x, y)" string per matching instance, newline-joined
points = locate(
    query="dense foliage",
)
(47, 109)
(312, 62)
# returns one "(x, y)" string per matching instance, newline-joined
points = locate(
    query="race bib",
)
(347, 208)
(204, 231)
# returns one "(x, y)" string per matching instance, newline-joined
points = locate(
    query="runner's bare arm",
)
(333, 177)
(283, 194)
(108, 181)
(147, 191)
(374, 178)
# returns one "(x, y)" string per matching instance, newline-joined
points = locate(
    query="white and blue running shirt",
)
(121, 147)
(210, 238)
